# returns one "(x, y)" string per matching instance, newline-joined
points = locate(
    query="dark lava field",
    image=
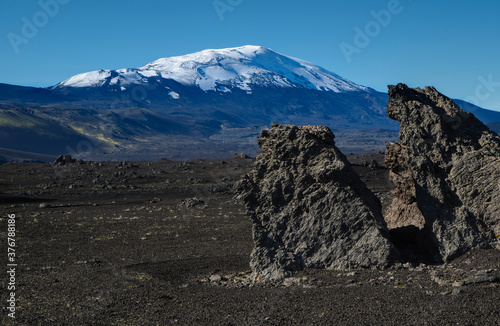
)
(166, 243)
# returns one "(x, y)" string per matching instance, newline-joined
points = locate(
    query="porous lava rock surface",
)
(309, 208)
(446, 171)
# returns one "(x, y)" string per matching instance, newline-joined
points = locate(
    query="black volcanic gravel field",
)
(165, 243)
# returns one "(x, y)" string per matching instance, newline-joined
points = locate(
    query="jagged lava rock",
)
(63, 160)
(309, 208)
(446, 171)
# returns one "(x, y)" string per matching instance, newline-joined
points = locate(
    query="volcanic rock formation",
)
(446, 170)
(63, 160)
(309, 208)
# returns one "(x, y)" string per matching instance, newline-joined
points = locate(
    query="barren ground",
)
(160, 243)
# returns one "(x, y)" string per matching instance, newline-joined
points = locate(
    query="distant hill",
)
(30, 130)
(12, 94)
(494, 126)
(486, 116)
(8, 155)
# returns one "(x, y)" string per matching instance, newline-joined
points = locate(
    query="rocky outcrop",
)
(63, 160)
(309, 208)
(446, 170)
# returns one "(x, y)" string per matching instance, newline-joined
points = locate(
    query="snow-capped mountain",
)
(222, 70)
(204, 103)
(208, 104)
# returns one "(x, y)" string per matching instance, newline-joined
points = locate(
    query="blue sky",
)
(452, 45)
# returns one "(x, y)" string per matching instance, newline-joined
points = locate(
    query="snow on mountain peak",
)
(223, 69)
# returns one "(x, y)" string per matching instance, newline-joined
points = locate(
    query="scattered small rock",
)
(215, 278)
(190, 202)
(241, 155)
(371, 164)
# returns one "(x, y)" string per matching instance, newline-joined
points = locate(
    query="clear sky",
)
(452, 45)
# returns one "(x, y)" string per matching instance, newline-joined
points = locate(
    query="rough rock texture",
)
(309, 208)
(446, 170)
(63, 160)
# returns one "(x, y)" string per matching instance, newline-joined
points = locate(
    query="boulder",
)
(371, 164)
(68, 159)
(241, 155)
(309, 208)
(59, 160)
(63, 160)
(446, 172)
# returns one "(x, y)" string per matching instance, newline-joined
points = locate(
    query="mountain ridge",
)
(216, 105)
(220, 70)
